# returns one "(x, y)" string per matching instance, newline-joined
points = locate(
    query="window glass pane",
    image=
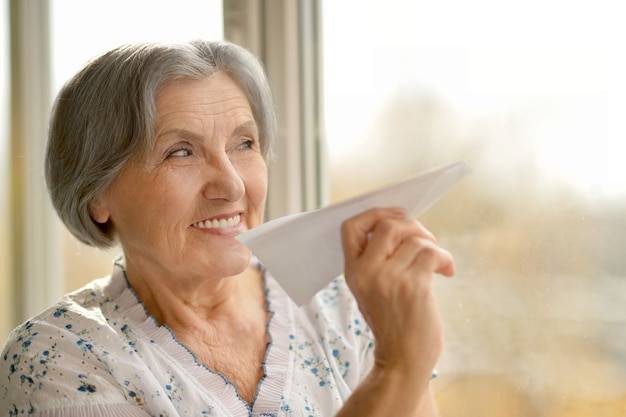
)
(83, 29)
(532, 95)
(5, 253)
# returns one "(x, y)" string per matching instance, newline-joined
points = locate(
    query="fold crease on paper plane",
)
(303, 251)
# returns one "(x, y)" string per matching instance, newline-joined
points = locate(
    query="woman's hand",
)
(389, 265)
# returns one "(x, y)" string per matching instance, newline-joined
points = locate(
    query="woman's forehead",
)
(212, 96)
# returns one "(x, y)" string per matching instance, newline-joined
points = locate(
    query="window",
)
(532, 96)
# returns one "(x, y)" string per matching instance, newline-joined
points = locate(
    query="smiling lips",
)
(221, 223)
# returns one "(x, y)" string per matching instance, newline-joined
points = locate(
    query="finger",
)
(407, 252)
(355, 231)
(419, 252)
(425, 232)
(447, 268)
(433, 258)
(388, 234)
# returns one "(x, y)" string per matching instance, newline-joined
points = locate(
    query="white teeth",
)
(221, 223)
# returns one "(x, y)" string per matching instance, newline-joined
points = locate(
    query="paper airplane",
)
(303, 252)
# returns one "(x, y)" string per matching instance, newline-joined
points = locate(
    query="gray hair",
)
(105, 115)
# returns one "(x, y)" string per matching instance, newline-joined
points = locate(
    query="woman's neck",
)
(191, 304)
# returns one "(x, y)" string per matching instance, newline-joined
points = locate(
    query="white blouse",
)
(97, 352)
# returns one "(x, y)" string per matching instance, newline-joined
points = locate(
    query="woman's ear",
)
(99, 211)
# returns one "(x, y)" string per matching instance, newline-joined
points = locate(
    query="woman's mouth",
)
(219, 223)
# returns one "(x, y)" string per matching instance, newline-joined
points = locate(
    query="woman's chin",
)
(232, 263)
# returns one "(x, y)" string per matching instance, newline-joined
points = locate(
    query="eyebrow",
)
(245, 126)
(192, 135)
(181, 132)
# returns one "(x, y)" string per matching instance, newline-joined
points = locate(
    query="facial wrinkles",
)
(211, 127)
(204, 106)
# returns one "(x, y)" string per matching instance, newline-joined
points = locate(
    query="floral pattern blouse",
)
(97, 352)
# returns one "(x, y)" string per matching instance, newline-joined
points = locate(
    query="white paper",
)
(303, 251)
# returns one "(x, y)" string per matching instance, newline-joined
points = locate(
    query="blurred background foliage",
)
(534, 319)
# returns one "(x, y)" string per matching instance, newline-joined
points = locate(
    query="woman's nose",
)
(223, 180)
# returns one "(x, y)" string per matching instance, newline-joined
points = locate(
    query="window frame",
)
(36, 279)
(286, 36)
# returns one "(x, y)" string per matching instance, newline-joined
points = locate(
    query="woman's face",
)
(204, 183)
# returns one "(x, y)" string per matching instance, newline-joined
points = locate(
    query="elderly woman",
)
(163, 149)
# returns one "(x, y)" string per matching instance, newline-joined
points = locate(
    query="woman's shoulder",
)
(77, 313)
(50, 356)
(76, 317)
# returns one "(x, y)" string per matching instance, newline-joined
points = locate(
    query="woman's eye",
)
(179, 153)
(248, 144)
